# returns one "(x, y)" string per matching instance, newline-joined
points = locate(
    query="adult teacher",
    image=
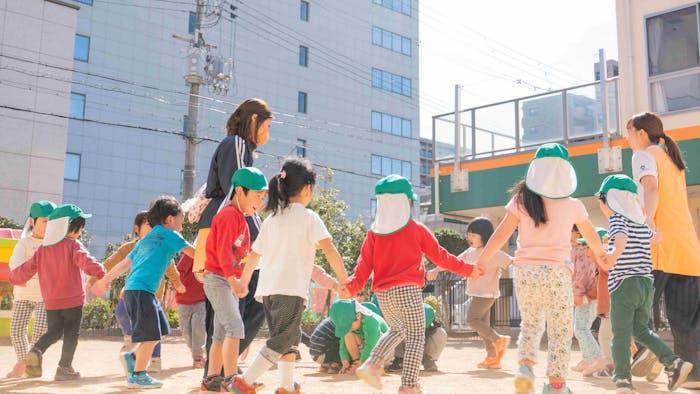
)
(659, 168)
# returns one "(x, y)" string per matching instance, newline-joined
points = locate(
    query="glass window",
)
(88, 2)
(405, 127)
(376, 36)
(304, 10)
(376, 165)
(303, 56)
(387, 81)
(386, 123)
(396, 166)
(406, 87)
(396, 43)
(301, 148)
(77, 106)
(71, 169)
(386, 39)
(82, 48)
(191, 22)
(396, 83)
(672, 41)
(396, 125)
(406, 169)
(406, 7)
(675, 94)
(301, 102)
(376, 78)
(406, 46)
(376, 121)
(386, 166)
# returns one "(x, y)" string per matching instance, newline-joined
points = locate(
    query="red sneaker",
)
(241, 387)
(297, 390)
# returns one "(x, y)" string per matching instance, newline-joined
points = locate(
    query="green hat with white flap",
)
(550, 173)
(621, 197)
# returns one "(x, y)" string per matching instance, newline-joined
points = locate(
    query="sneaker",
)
(605, 373)
(211, 384)
(624, 386)
(32, 362)
(548, 389)
(490, 363)
(18, 370)
(143, 381)
(410, 390)
(643, 362)
(677, 373)
(155, 365)
(240, 386)
(429, 365)
(580, 366)
(370, 374)
(655, 371)
(66, 373)
(396, 365)
(597, 364)
(128, 360)
(501, 346)
(524, 380)
(282, 390)
(198, 362)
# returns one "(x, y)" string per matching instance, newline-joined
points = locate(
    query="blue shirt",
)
(635, 260)
(151, 257)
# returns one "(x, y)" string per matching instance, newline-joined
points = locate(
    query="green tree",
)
(9, 223)
(451, 240)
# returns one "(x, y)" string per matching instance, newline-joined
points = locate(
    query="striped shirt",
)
(635, 260)
(323, 338)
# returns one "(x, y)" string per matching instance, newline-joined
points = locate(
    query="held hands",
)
(578, 301)
(477, 272)
(432, 274)
(238, 287)
(656, 236)
(180, 289)
(343, 291)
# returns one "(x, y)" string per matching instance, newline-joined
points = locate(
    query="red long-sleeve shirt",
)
(228, 243)
(397, 259)
(194, 290)
(60, 267)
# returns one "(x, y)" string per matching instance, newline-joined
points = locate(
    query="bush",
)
(96, 314)
(173, 318)
(310, 318)
(435, 303)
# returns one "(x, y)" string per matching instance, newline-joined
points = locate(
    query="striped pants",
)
(21, 313)
(403, 310)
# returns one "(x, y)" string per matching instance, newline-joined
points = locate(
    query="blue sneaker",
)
(143, 381)
(524, 380)
(548, 389)
(128, 360)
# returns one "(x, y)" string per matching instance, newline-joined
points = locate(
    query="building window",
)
(301, 102)
(402, 6)
(301, 148)
(77, 106)
(88, 2)
(392, 82)
(673, 48)
(191, 22)
(303, 56)
(391, 124)
(304, 10)
(71, 171)
(391, 41)
(82, 48)
(386, 166)
(373, 208)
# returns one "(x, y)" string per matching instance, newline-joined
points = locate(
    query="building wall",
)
(122, 169)
(33, 35)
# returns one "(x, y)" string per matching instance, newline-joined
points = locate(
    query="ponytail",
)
(674, 152)
(651, 123)
(296, 174)
(276, 199)
(241, 120)
(533, 203)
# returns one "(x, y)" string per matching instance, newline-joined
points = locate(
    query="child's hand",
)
(432, 274)
(477, 272)
(345, 367)
(180, 289)
(344, 292)
(238, 287)
(657, 238)
(354, 367)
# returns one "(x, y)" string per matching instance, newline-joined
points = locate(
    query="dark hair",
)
(140, 218)
(602, 198)
(533, 203)
(162, 208)
(575, 229)
(245, 192)
(240, 121)
(298, 172)
(483, 227)
(651, 123)
(76, 225)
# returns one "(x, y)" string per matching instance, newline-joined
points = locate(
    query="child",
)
(324, 346)
(148, 262)
(288, 241)
(228, 246)
(484, 292)
(393, 252)
(544, 214)
(27, 298)
(60, 263)
(585, 304)
(191, 313)
(141, 229)
(630, 284)
(359, 329)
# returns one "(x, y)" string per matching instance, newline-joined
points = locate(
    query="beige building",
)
(36, 58)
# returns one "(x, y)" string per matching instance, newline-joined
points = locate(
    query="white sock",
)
(258, 367)
(286, 369)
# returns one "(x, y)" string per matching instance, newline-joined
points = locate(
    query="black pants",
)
(682, 299)
(62, 323)
(252, 314)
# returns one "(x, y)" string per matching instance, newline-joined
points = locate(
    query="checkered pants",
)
(403, 310)
(21, 313)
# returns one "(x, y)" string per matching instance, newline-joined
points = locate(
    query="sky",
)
(501, 50)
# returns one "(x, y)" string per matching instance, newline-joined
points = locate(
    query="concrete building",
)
(341, 78)
(36, 47)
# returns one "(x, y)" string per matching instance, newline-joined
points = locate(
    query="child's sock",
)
(259, 366)
(286, 369)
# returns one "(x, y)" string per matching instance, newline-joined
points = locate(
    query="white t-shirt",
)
(287, 243)
(643, 164)
(23, 251)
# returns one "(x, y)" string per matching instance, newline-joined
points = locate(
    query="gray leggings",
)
(479, 318)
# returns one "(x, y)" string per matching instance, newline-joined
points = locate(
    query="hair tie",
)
(283, 174)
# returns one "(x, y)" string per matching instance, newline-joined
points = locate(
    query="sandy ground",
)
(97, 361)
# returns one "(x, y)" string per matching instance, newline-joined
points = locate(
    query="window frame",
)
(389, 81)
(80, 160)
(304, 8)
(305, 102)
(87, 56)
(390, 120)
(392, 39)
(303, 56)
(70, 110)
(389, 163)
(301, 147)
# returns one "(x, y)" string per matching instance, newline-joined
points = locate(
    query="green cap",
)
(618, 182)
(601, 233)
(249, 177)
(343, 313)
(395, 184)
(70, 211)
(41, 209)
(552, 150)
